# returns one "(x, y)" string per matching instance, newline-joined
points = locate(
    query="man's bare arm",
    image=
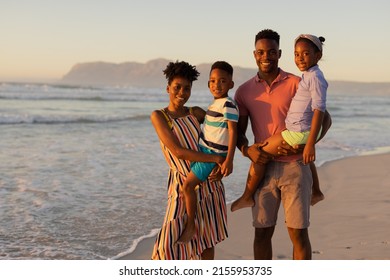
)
(253, 152)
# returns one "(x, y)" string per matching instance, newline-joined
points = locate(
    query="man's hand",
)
(256, 154)
(285, 149)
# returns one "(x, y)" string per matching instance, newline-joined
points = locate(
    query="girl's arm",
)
(326, 124)
(309, 153)
(318, 90)
(168, 138)
(227, 165)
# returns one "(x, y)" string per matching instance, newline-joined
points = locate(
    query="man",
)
(265, 100)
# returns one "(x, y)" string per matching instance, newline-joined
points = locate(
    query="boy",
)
(219, 135)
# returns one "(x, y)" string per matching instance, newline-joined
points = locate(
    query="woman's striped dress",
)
(211, 219)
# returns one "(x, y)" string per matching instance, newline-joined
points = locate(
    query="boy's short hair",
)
(222, 65)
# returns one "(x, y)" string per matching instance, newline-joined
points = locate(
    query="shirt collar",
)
(281, 76)
(313, 68)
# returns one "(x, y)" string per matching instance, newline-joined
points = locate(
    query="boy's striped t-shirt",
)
(215, 134)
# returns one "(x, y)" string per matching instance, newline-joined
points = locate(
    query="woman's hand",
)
(219, 159)
(216, 174)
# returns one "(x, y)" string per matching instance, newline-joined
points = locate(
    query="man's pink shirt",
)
(255, 97)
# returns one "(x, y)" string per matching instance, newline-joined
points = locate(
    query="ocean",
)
(82, 175)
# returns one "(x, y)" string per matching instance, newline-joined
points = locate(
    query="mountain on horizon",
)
(146, 75)
(150, 75)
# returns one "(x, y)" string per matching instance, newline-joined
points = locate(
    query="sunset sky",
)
(42, 40)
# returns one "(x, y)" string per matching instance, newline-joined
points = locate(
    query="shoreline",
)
(351, 223)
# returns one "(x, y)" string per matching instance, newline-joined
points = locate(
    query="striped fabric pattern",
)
(215, 135)
(211, 218)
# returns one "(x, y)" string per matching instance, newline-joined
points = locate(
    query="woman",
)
(178, 129)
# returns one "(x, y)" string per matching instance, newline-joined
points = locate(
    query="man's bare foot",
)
(187, 234)
(316, 197)
(242, 202)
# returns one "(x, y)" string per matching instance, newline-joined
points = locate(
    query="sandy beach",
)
(352, 223)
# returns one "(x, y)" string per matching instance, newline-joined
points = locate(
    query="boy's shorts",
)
(202, 170)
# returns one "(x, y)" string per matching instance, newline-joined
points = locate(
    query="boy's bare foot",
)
(187, 234)
(242, 202)
(316, 197)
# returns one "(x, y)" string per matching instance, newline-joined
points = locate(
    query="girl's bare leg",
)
(316, 194)
(255, 174)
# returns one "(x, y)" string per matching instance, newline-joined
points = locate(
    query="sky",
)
(41, 40)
